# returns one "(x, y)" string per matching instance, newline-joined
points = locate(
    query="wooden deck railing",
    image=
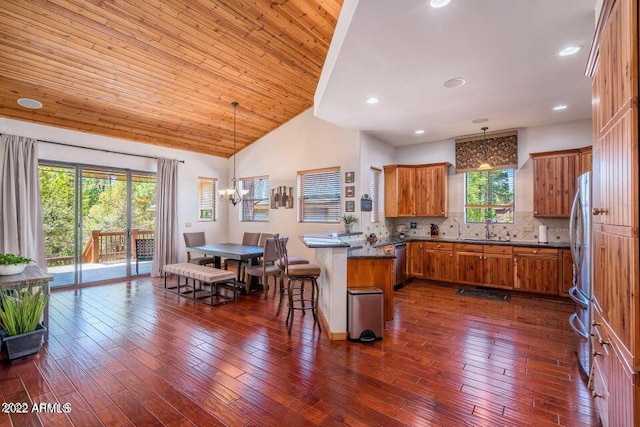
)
(111, 245)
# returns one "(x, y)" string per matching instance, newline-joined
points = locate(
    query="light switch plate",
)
(187, 224)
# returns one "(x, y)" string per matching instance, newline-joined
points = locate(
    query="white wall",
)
(303, 143)
(530, 140)
(373, 153)
(194, 165)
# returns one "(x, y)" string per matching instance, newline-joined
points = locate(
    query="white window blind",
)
(206, 199)
(489, 195)
(374, 192)
(255, 205)
(319, 195)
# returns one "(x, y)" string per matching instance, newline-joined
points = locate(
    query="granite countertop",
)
(326, 240)
(394, 240)
(362, 250)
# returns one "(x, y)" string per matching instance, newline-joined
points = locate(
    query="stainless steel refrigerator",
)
(580, 292)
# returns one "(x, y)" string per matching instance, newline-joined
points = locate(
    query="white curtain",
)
(166, 232)
(21, 230)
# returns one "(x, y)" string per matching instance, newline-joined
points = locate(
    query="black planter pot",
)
(23, 345)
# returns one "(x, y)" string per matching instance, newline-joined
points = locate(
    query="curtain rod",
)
(102, 149)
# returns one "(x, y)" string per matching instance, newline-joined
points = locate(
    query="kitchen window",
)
(255, 204)
(489, 195)
(206, 199)
(319, 195)
(374, 192)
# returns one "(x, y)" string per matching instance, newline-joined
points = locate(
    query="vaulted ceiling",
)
(164, 72)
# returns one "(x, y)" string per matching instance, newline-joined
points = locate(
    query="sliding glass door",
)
(93, 217)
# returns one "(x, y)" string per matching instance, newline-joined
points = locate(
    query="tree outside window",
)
(489, 195)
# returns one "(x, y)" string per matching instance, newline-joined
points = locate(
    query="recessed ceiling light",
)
(373, 100)
(571, 50)
(32, 104)
(454, 82)
(560, 107)
(480, 120)
(439, 3)
(419, 132)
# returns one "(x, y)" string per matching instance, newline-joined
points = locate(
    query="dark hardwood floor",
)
(132, 354)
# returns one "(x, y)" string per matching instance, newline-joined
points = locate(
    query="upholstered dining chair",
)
(266, 268)
(196, 239)
(249, 239)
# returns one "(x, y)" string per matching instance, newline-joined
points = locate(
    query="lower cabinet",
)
(415, 260)
(615, 386)
(469, 264)
(438, 261)
(536, 270)
(498, 266)
(566, 272)
(532, 269)
(484, 265)
(378, 272)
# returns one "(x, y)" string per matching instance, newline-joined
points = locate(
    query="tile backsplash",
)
(524, 227)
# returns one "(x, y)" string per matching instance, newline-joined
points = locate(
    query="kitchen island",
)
(332, 255)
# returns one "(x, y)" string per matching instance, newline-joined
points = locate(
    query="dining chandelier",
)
(234, 194)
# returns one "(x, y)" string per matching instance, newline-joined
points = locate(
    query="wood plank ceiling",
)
(164, 72)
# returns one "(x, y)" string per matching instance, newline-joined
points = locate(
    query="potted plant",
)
(349, 220)
(12, 264)
(20, 315)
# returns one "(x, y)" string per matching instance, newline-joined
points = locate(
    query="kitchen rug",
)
(484, 294)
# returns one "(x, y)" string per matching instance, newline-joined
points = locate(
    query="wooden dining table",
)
(233, 251)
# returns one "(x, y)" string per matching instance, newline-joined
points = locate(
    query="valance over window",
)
(500, 149)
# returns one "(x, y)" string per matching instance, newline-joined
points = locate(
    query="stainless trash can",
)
(365, 318)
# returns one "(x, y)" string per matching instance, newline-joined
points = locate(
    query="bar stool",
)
(299, 273)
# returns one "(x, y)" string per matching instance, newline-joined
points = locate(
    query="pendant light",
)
(234, 194)
(485, 166)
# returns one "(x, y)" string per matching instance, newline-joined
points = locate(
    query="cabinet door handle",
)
(442, 213)
(535, 212)
(451, 255)
(535, 251)
(595, 324)
(603, 342)
(599, 211)
(595, 395)
(515, 261)
(597, 353)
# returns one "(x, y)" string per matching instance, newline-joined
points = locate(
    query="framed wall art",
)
(349, 177)
(349, 191)
(350, 206)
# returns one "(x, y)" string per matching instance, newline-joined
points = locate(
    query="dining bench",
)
(200, 275)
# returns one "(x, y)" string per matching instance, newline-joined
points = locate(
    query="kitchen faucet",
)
(488, 222)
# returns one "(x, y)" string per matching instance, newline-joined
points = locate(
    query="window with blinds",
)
(255, 205)
(206, 199)
(489, 195)
(319, 195)
(374, 192)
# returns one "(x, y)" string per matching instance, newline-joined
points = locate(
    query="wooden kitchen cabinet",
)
(484, 265)
(438, 261)
(498, 266)
(416, 190)
(432, 190)
(566, 272)
(613, 65)
(415, 260)
(378, 272)
(469, 264)
(586, 159)
(554, 182)
(536, 270)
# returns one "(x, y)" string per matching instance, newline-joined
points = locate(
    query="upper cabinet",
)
(416, 190)
(554, 180)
